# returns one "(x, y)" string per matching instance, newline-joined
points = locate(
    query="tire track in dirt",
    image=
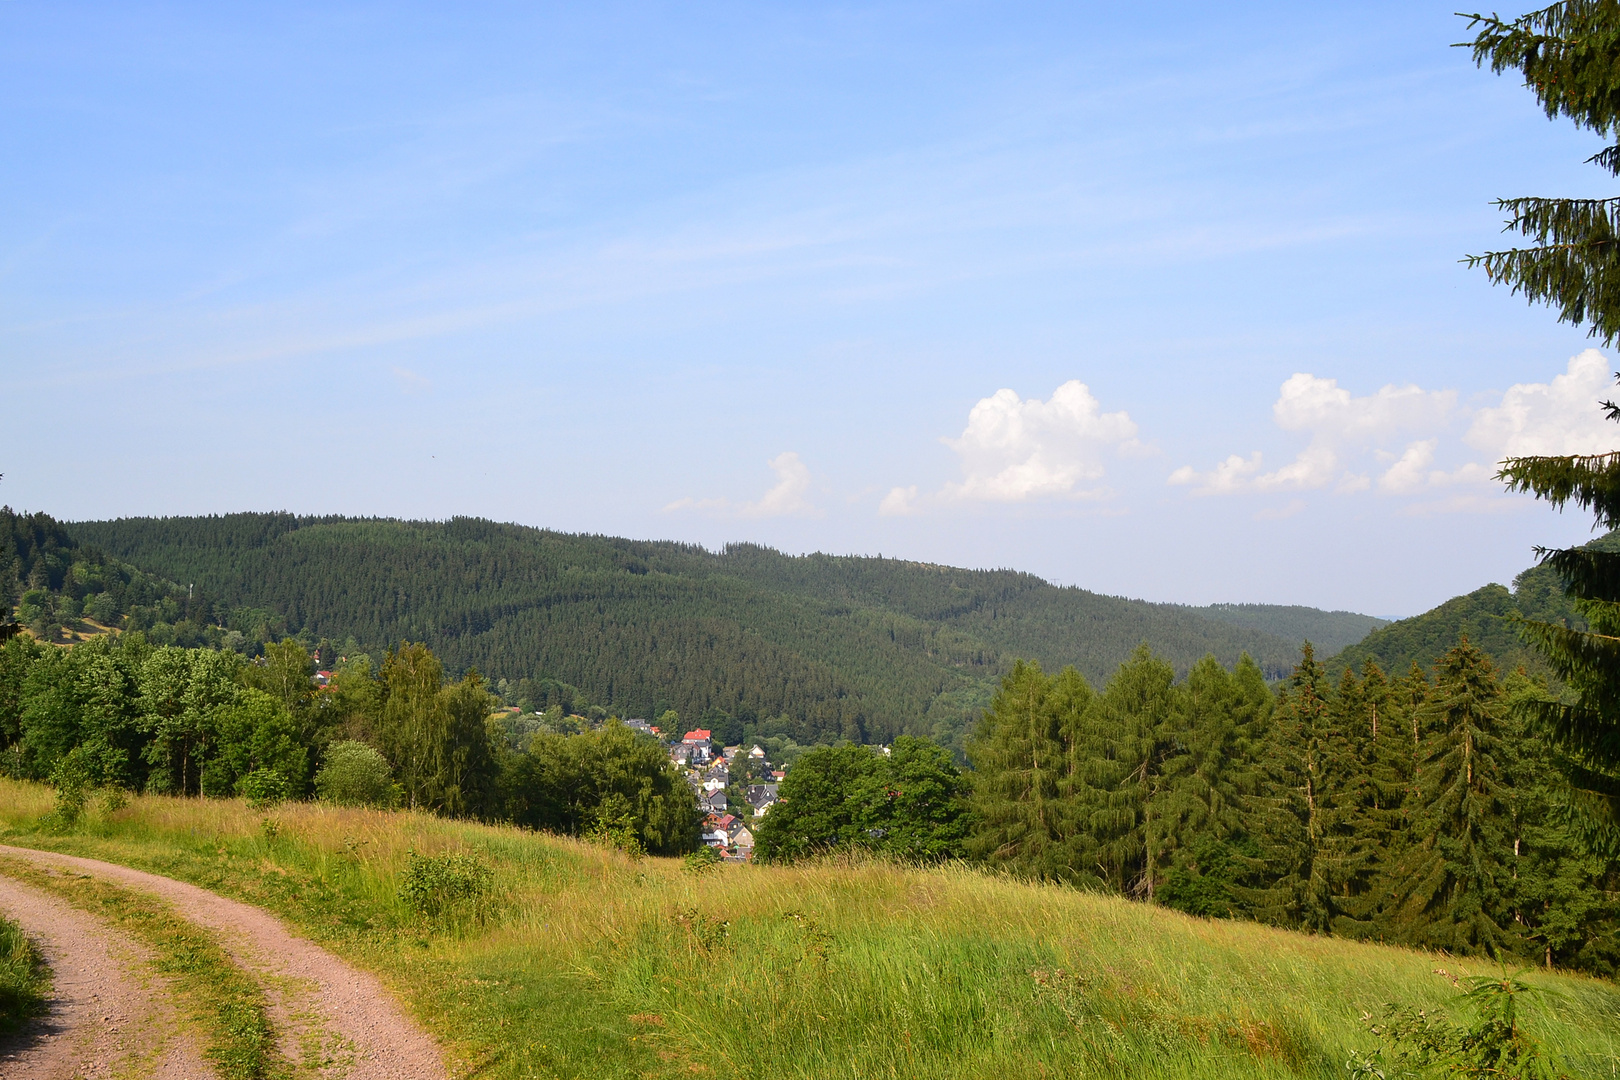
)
(106, 1017)
(338, 1019)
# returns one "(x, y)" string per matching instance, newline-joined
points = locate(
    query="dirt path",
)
(335, 1019)
(106, 1018)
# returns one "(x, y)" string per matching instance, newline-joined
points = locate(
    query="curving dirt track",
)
(105, 1019)
(336, 1021)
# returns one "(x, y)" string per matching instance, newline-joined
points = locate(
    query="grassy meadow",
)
(582, 962)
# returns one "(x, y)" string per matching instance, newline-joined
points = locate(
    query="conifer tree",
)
(1019, 759)
(1140, 706)
(1298, 823)
(1200, 813)
(1449, 890)
(1569, 54)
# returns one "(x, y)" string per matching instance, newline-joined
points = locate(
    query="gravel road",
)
(335, 1020)
(107, 1016)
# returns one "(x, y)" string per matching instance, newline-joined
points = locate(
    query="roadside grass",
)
(580, 962)
(224, 1002)
(25, 980)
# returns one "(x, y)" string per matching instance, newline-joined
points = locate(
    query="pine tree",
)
(1569, 54)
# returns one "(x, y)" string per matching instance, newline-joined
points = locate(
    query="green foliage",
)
(1329, 631)
(610, 783)
(437, 886)
(263, 788)
(57, 583)
(909, 803)
(24, 978)
(355, 774)
(1489, 617)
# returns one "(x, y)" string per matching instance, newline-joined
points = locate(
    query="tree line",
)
(120, 712)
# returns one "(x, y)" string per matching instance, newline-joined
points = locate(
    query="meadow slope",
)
(584, 963)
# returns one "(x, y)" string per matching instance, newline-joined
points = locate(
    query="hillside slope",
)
(863, 648)
(586, 964)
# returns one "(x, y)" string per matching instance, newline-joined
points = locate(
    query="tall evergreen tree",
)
(1569, 54)
(1450, 889)
(1019, 762)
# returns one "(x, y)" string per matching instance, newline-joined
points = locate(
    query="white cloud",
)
(1557, 417)
(1016, 449)
(1341, 426)
(899, 501)
(786, 498)
(1412, 470)
(1560, 417)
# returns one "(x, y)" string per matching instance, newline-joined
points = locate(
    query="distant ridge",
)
(1328, 631)
(1485, 615)
(831, 646)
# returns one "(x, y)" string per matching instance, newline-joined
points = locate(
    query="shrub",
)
(355, 775)
(433, 885)
(74, 784)
(263, 788)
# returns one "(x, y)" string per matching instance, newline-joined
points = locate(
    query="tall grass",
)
(581, 962)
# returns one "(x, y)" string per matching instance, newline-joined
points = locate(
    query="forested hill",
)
(1484, 616)
(866, 648)
(1328, 631)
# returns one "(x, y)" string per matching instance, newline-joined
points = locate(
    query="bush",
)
(433, 885)
(263, 788)
(355, 775)
(23, 978)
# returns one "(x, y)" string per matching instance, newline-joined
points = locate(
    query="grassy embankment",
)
(588, 964)
(25, 981)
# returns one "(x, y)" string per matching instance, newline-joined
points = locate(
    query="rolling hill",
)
(825, 646)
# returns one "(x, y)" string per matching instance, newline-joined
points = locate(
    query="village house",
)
(714, 801)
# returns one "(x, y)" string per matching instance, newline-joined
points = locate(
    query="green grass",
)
(224, 1002)
(25, 981)
(581, 963)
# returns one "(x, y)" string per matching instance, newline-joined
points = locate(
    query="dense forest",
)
(821, 647)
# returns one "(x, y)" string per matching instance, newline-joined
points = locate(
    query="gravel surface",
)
(335, 1019)
(106, 1016)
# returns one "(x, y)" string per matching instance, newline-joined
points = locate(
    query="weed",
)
(817, 943)
(270, 828)
(705, 931)
(701, 861)
(1422, 1043)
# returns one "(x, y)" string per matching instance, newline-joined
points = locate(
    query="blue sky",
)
(982, 284)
